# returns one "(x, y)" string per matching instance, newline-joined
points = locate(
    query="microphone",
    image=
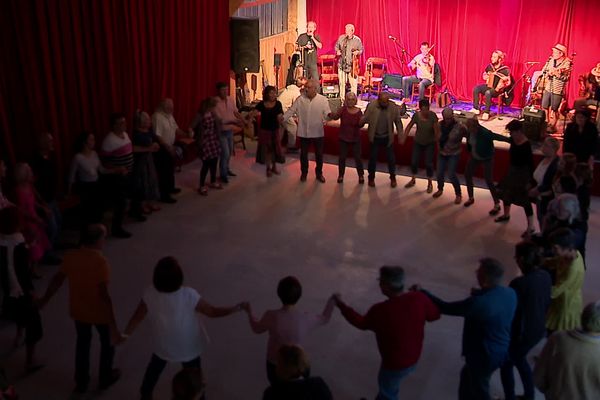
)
(392, 38)
(532, 62)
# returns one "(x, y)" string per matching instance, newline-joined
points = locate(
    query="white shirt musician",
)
(424, 64)
(555, 75)
(348, 47)
(497, 80)
(308, 43)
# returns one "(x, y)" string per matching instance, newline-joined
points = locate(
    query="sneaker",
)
(429, 187)
(495, 210)
(438, 194)
(485, 116)
(474, 111)
(203, 191)
(458, 199)
(230, 173)
(111, 380)
(410, 183)
(469, 202)
(340, 179)
(372, 182)
(321, 178)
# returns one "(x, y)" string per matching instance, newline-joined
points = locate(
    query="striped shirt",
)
(556, 84)
(117, 151)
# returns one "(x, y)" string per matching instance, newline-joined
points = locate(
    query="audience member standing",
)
(543, 177)
(312, 110)
(569, 365)
(271, 117)
(145, 144)
(481, 146)
(172, 309)
(207, 128)
(427, 134)
(382, 116)
(581, 138)
(166, 130)
(231, 119)
(293, 382)
(488, 314)
(399, 326)
(529, 325)
(349, 116)
(450, 146)
(17, 287)
(88, 273)
(287, 98)
(515, 184)
(287, 325)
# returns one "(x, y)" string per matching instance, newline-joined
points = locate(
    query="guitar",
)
(355, 65)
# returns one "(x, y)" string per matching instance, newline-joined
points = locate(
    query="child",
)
(206, 127)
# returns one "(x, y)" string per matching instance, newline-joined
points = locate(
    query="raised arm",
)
(138, 316)
(211, 311)
(456, 308)
(258, 326)
(354, 318)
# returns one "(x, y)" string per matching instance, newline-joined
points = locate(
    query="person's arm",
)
(317, 41)
(546, 184)
(292, 110)
(500, 138)
(338, 47)
(211, 311)
(365, 118)
(259, 326)
(399, 126)
(105, 297)
(569, 284)
(335, 115)
(325, 316)
(138, 316)
(57, 281)
(413, 63)
(455, 308)
(360, 46)
(354, 318)
(409, 126)
(436, 131)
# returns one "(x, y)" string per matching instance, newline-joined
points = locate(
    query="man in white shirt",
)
(423, 63)
(166, 130)
(287, 98)
(312, 110)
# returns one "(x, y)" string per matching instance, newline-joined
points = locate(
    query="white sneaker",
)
(485, 116)
(474, 111)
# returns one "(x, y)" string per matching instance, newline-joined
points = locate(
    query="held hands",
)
(243, 306)
(337, 299)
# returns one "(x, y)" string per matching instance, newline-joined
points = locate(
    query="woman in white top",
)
(172, 309)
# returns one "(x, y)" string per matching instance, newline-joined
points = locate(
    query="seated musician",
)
(589, 93)
(347, 47)
(497, 79)
(424, 64)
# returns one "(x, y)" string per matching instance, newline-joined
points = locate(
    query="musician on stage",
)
(589, 89)
(497, 79)
(556, 74)
(424, 64)
(308, 43)
(348, 46)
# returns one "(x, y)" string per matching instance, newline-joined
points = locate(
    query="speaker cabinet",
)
(244, 45)
(534, 123)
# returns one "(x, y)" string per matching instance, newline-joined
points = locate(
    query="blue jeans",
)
(226, 139)
(448, 163)
(389, 382)
(518, 358)
(407, 83)
(475, 382)
(391, 157)
(416, 157)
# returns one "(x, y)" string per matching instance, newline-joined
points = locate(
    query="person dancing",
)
(497, 79)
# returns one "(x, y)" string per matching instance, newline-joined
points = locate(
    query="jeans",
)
(389, 382)
(448, 163)
(488, 92)
(304, 144)
(355, 152)
(82, 353)
(475, 382)
(210, 164)
(389, 150)
(416, 156)
(488, 167)
(155, 368)
(115, 187)
(165, 171)
(226, 139)
(407, 84)
(518, 358)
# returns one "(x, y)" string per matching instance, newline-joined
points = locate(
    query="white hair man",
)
(348, 46)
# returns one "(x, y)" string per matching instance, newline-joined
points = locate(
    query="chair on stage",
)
(328, 67)
(429, 92)
(375, 70)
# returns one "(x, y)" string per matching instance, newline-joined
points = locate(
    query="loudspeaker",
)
(331, 90)
(335, 104)
(244, 45)
(534, 123)
(393, 81)
(277, 59)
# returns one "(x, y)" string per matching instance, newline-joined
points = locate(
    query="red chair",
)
(376, 68)
(328, 69)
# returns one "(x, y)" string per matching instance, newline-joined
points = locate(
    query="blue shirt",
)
(488, 317)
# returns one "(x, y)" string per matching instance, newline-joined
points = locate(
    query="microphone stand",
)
(506, 94)
(400, 56)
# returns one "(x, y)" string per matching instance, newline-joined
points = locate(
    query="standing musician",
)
(308, 43)
(555, 75)
(497, 79)
(424, 64)
(348, 47)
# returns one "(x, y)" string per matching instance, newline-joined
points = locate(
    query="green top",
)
(425, 133)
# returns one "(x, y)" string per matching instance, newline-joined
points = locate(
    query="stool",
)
(429, 92)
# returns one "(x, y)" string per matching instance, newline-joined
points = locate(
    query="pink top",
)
(225, 110)
(288, 326)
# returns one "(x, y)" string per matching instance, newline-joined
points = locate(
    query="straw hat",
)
(561, 47)
(596, 71)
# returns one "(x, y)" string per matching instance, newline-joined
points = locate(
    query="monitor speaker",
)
(331, 90)
(244, 45)
(277, 59)
(534, 123)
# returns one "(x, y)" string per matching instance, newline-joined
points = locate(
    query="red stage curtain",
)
(67, 64)
(465, 32)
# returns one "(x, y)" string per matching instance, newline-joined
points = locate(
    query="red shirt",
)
(399, 325)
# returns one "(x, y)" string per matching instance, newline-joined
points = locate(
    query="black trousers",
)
(82, 353)
(304, 145)
(165, 169)
(210, 164)
(23, 312)
(155, 369)
(91, 203)
(344, 153)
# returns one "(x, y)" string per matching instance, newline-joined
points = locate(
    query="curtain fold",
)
(68, 64)
(465, 32)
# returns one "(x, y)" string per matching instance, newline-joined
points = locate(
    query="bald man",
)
(382, 115)
(308, 43)
(347, 46)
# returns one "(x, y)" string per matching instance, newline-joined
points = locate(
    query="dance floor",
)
(237, 243)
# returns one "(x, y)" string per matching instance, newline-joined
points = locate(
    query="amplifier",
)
(393, 81)
(331, 90)
(534, 123)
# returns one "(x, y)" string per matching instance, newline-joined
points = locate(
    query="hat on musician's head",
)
(596, 71)
(561, 47)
